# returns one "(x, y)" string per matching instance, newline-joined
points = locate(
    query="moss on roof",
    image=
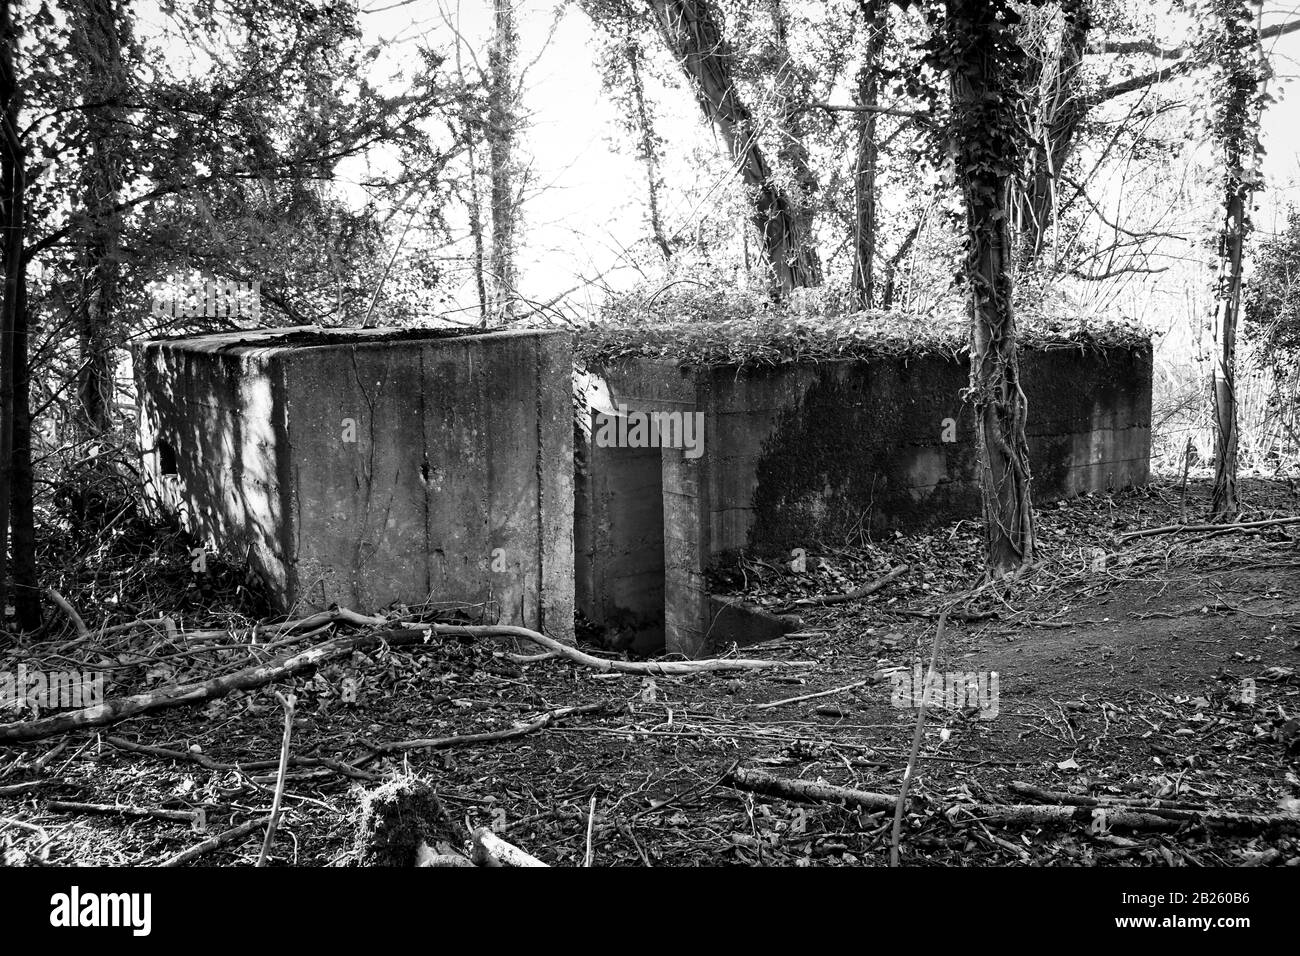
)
(773, 336)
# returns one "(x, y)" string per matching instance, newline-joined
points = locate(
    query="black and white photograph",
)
(658, 434)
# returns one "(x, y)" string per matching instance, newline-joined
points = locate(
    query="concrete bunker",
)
(373, 467)
(808, 451)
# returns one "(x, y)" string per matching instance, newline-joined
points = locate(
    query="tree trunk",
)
(97, 42)
(981, 82)
(1058, 109)
(692, 34)
(501, 157)
(1235, 49)
(1223, 499)
(22, 519)
(894, 262)
(863, 281)
(793, 153)
(17, 581)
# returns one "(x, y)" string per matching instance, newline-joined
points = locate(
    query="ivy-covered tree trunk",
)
(862, 283)
(792, 85)
(692, 33)
(1232, 47)
(980, 54)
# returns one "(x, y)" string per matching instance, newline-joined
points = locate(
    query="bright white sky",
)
(592, 204)
(586, 202)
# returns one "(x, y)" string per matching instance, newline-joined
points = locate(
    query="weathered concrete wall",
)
(800, 453)
(374, 467)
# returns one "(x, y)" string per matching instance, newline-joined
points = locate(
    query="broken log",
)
(427, 856)
(490, 850)
(1102, 817)
(760, 782)
(1081, 800)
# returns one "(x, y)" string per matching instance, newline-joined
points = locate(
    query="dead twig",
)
(1217, 528)
(70, 611)
(69, 806)
(288, 704)
(460, 740)
(203, 760)
(825, 693)
(221, 839)
(655, 668)
(14, 789)
(590, 855)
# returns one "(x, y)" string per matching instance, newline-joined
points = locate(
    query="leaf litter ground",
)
(1119, 678)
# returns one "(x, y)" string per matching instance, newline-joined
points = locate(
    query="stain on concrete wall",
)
(834, 451)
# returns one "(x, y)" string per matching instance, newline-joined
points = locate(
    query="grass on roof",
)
(767, 335)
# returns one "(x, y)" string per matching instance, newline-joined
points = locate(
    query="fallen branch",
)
(965, 616)
(438, 743)
(340, 615)
(122, 708)
(203, 760)
(1080, 800)
(761, 782)
(490, 850)
(1225, 528)
(656, 668)
(14, 789)
(221, 839)
(1096, 817)
(826, 693)
(259, 675)
(860, 593)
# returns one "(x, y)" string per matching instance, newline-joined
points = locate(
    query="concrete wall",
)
(800, 453)
(457, 485)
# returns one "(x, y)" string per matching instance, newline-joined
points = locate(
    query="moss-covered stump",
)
(397, 817)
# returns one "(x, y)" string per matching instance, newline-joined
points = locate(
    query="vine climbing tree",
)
(1230, 44)
(974, 45)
